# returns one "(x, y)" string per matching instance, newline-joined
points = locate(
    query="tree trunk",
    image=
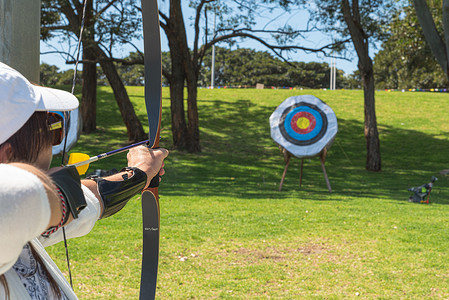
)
(192, 111)
(89, 87)
(351, 15)
(89, 93)
(183, 135)
(373, 159)
(73, 11)
(178, 122)
(438, 46)
(132, 123)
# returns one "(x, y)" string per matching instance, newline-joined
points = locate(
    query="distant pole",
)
(331, 74)
(212, 76)
(20, 36)
(335, 73)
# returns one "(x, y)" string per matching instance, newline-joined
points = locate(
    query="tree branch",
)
(163, 16)
(277, 49)
(61, 52)
(72, 17)
(100, 12)
(60, 27)
(122, 61)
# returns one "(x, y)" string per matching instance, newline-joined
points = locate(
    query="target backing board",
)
(304, 125)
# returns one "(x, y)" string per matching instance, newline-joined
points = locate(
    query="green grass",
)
(226, 232)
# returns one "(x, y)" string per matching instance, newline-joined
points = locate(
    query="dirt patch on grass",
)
(270, 253)
(312, 248)
(277, 254)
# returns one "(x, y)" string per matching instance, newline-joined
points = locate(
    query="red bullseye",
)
(303, 122)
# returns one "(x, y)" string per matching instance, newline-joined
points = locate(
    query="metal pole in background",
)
(335, 73)
(212, 76)
(331, 74)
(20, 22)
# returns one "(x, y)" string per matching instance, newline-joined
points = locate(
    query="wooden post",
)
(285, 172)
(323, 159)
(20, 36)
(300, 175)
(287, 157)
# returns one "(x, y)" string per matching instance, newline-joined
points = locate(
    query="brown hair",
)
(29, 140)
(5, 284)
(26, 144)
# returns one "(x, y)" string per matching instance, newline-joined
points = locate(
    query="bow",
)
(153, 102)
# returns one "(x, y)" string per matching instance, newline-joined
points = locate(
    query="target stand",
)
(287, 158)
(304, 127)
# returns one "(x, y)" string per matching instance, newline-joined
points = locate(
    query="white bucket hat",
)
(19, 99)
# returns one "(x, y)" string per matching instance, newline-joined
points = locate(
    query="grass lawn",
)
(226, 231)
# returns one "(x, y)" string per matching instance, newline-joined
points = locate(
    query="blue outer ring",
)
(303, 137)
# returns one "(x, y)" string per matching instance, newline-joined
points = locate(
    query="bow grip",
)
(154, 183)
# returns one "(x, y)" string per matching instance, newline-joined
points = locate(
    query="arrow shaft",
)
(125, 148)
(104, 155)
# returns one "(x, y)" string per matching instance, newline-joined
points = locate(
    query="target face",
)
(304, 125)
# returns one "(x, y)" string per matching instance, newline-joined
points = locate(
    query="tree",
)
(436, 36)
(362, 21)
(247, 67)
(108, 24)
(406, 60)
(236, 20)
(352, 81)
(243, 67)
(49, 75)
(132, 74)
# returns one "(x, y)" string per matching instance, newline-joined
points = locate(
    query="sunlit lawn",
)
(226, 231)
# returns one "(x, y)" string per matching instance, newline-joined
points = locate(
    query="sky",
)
(296, 19)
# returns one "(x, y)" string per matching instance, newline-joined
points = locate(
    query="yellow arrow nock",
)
(78, 157)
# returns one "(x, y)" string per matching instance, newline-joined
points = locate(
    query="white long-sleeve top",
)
(24, 215)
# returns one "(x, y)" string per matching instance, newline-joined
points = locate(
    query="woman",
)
(32, 208)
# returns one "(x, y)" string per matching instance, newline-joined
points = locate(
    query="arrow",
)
(75, 157)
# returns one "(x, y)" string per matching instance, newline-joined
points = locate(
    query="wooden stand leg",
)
(285, 172)
(300, 175)
(323, 159)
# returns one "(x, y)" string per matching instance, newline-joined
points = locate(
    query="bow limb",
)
(153, 102)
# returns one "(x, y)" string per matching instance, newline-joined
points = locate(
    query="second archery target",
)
(303, 125)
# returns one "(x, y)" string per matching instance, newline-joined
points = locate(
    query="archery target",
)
(304, 125)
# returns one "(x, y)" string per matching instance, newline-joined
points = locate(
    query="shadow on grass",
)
(240, 159)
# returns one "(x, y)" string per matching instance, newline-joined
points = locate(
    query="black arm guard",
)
(68, 181)
(115, 194)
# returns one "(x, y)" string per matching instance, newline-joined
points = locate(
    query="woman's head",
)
(32, 143)
(26, 132)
